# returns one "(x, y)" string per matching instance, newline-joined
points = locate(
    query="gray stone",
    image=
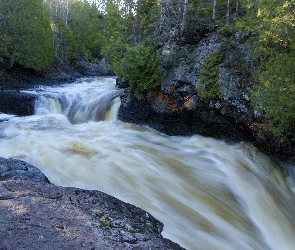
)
(36, 215)
(14, 169)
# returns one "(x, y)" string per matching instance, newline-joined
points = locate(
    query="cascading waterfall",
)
(87, 100)
(209, 194)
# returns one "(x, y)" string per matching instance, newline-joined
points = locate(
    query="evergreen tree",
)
(114, 45)
(26, 34)
(147, 16)
(273, 21)
(85, 23)
(140, 66)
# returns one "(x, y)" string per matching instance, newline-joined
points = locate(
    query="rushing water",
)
(209, 194)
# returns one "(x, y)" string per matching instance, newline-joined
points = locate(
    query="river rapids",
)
(208, 193)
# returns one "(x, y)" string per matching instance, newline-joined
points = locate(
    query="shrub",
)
(140, 66)
(208, 86)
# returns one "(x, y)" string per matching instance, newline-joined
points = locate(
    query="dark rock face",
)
(91, 69)
(176, 108)
(203, 120)
(16, 103)
(37, 215)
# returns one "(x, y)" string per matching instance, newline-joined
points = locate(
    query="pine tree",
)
(86, 24)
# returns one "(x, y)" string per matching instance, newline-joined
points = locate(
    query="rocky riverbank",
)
(12, 81)
(178, 108)
(37, 215)
(17, 77)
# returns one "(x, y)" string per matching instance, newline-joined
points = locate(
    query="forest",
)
(39, 33)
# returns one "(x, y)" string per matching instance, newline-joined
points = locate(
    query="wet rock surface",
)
(92, 69)
(203, 120)
(39, 215)
(14, 169)
(16, 103)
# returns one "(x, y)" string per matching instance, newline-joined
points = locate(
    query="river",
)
(208, 193)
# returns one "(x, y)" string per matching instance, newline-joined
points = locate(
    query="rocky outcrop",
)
(93, 69)
(188, 118)
(37, 215)
(16, 102)
(13, 169)
(177, 109)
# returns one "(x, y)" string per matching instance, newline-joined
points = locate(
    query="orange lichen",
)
(188, 102)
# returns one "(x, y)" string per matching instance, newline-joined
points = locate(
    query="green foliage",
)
(65, 48)
(113, 51)
(114, 27)
(201, 9)
(226, 30)
(140, 66)
(26, 34)
(208, 84)
(85, 23)
(147, 14)
(274, 92)
(274, 47)
(113, 47)
(4, 41)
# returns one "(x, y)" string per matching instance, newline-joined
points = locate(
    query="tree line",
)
(34, 33)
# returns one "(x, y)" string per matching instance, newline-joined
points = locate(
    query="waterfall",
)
(85, 100)
(208, 193)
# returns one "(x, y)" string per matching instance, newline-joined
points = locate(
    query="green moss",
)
(105, 222)
(208, 84)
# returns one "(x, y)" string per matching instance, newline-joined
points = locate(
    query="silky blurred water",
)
(209, 194)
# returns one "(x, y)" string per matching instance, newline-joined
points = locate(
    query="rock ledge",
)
(39, 215)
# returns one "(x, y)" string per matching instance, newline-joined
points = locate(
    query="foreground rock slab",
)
(43, 216)
(35, 214)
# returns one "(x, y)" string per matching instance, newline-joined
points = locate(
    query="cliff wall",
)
(179, 106)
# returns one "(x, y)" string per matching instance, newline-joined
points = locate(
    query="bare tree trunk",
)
(184, 15)
(162, 15)
(214, 10)
(56, 7)
(67, 12)
(227, 14)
